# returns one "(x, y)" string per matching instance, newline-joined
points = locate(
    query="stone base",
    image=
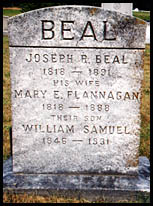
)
(90, 187)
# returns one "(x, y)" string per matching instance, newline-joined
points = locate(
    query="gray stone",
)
(128, 31)
(91, 187)
(125, 8)
(5, 25)
(148, 34)
(76, 75)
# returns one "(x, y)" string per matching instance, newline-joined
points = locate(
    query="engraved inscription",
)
(76, 90)
(66, 27)
(49, 129)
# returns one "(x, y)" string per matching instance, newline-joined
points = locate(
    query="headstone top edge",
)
(18, 23)
(55, 7)
(71, 7)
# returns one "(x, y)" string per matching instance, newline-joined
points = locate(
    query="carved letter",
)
(91, 28)
(66, 29)
(45, 31)
(105, 31)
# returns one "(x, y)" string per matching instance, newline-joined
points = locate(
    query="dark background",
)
(141, 5)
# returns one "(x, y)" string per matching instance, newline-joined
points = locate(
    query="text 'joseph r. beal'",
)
(67, 31)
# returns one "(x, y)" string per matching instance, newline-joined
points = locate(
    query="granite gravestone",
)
(76, 75)
(5, 25)
(125, 8)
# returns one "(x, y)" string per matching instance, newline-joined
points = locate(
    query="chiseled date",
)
(98, 107)
(55, 140)
(53, 106)
(50, 71)
(63, 140)
(98, 141)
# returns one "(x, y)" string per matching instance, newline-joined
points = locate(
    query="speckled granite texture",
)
(89, 186)
(128, 30)
(76, 75)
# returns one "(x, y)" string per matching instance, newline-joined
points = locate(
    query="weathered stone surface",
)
(148, 34)
(92, 187)
(125, 8)
(5, 25)
(76, 77)
(26, 29)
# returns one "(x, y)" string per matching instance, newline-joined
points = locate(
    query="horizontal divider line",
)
(80, 140)
(103, 174)
(57, 47)
(76, 72)
(74, 107)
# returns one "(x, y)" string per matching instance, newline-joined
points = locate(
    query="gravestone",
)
(148, 33)
(125, 8)
(5, 25)
(76, 75)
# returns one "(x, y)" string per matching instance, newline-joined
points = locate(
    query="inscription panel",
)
(75, 109)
